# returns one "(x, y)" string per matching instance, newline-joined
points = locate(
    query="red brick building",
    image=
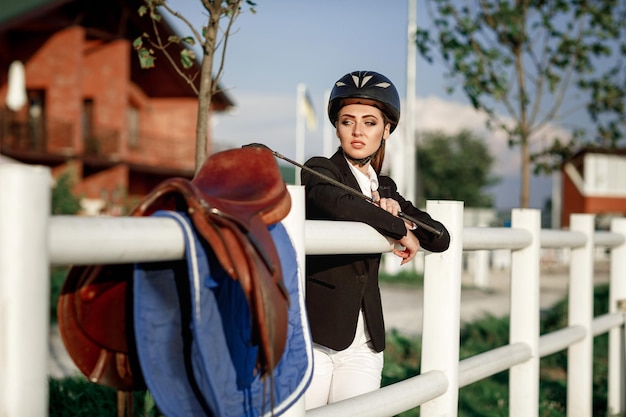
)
(90, 107)
(594, 181)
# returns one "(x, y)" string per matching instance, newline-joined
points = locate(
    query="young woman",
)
(342, 294)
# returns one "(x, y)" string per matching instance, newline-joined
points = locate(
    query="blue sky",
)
(287, 42)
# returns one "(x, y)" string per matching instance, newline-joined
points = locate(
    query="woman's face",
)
(360, 128)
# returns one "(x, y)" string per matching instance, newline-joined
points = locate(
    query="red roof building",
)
(89, 107)
(594, 181)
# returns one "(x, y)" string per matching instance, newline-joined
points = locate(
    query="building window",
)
(87, 127)
(132, 115)
(87, 118)
(36, 118)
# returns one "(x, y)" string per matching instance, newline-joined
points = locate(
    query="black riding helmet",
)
(370, 85)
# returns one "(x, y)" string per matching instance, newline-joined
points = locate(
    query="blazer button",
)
(362, 279)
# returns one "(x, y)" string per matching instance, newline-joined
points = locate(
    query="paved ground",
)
(402, 307)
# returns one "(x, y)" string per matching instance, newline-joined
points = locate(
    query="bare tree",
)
(212, 37)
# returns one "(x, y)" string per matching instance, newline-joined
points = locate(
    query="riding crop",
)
(437, 232)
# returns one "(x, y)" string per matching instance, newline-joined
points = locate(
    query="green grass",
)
(405, 277)
(77, 397)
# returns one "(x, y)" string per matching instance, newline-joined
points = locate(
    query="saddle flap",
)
(91, 312)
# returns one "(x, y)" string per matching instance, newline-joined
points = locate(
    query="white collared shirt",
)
(367, 183)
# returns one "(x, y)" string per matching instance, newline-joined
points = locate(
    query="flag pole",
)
(410, 152)
(300, 128)
(327, 131)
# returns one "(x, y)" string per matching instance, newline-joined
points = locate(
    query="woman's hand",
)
(390, 205)
(411, 246)
(409, 241)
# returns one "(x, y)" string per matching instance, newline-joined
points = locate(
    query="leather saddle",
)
(231, 201)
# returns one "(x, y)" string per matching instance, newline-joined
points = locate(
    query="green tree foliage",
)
(212, 38)
(455, 168)
(536, 62)
(63, 201)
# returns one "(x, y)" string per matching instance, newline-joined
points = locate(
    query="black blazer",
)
(338, 286)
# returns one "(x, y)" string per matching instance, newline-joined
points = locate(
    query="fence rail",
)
(31, 240)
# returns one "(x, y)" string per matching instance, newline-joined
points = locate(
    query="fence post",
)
(481, 268)
(294, 224)
(24, 289)
(524, 319)
(617, 347)
(580, 313)
(442, 299)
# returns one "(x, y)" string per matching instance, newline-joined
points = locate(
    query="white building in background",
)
(594, 181)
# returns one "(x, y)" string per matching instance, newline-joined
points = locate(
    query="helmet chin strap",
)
(360, 162)
(363, 161)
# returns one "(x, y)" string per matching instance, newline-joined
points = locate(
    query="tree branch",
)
(183, 19)
(163, 48)
(234, 9)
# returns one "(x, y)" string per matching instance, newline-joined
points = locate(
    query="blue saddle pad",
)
(193, 335)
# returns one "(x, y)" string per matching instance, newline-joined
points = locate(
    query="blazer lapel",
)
(348, 177)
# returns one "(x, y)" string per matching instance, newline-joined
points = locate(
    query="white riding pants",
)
(338, 375)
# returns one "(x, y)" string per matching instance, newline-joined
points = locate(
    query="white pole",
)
(557, 203)
(300, 129)
(410, 151)
(328, 130)
(580, 313)
(24, 289)
(481, 268)
(524, 327)
(294, 224)
(442, 285)
(16, 91)
(617, 347)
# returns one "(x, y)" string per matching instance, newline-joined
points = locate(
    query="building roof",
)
(15, 12)
(597, 150)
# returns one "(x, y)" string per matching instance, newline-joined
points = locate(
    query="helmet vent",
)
(360, 82)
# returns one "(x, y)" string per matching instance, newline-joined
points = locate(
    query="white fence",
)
(31, 241)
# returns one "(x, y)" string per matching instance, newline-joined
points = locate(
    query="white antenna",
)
(327, 131)
(410, 151)
(16, 94)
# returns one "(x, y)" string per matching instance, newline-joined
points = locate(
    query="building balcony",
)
(51, 142)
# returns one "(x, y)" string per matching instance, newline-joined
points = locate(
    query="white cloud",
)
(259, 118)
(434, 113)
